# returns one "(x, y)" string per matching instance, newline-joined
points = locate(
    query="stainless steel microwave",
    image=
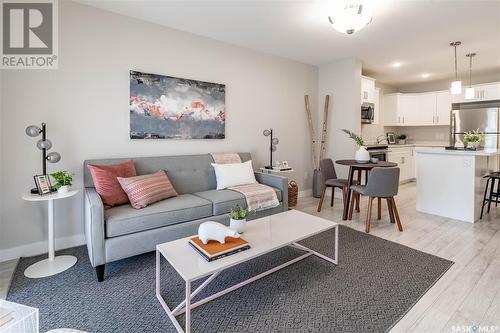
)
(367, 113)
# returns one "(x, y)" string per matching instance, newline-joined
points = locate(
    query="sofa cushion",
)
(122, 220)
(224, 200)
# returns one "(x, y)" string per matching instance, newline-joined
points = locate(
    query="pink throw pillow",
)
(147, 189)
(106, 182)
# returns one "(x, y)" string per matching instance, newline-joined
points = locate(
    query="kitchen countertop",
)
(421, 144)
(482, 152)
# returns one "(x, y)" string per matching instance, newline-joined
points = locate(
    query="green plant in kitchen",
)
(357, 138)
(473, 139)
(62, 178)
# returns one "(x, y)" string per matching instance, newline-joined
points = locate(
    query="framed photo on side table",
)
(43, 184)
(391, 138)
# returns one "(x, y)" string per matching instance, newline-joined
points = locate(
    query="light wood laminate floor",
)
(468, 294)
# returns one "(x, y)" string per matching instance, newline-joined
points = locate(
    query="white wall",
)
(342, 81)
(85, 104)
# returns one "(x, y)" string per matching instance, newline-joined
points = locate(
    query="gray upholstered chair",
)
(382, 183)
(329, 177)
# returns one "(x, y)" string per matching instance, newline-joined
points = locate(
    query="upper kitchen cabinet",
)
(425, 109)
(367, 90)
(443, 108)
(482, 92)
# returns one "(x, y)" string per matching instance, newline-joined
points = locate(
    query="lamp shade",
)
(53, 157)
(470, 93)
(456, 88)
(33, 130)
(44, 144)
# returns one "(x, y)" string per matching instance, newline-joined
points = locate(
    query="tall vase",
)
(317, 183)
(362, 155)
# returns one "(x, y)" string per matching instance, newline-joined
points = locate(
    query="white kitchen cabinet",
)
(367, 90)
(482, 92)
(426, 109)
(423, 109)
(443, 108)
(405, 160)
(378, 105)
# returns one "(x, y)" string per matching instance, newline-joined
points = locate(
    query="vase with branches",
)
(362, 155)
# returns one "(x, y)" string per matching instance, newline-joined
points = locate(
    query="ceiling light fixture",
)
(396, 65)
(350, 16)
(456, 86)
(425, 75)
(469, 92)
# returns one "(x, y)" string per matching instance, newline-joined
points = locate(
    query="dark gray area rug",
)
(374, 285)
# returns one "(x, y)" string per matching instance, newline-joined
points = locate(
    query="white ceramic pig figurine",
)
(215, 231)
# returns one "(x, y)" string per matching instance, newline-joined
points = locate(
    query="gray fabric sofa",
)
(123, 231)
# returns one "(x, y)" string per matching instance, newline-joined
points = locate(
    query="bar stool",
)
(494, 195)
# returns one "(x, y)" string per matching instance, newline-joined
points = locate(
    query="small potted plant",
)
(473, 139)
(362, 155)
(63, 179)
(402, 139)
(238, 216)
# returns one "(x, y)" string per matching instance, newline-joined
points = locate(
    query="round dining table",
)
(359, 168)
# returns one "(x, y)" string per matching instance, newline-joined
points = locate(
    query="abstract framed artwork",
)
(166, 107)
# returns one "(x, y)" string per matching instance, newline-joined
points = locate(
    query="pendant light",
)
(456, 86)
(469, 92)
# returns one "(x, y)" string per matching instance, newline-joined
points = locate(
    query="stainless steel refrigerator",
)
(482, 116)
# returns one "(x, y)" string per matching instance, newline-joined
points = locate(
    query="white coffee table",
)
(264, 235)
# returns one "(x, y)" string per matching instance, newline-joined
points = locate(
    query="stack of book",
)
(214, 250)
(5, 316)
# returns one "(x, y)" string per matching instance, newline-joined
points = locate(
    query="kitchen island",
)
(450, 182)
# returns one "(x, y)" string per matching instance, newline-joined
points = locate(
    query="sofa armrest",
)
(278, 182)
(94, 227)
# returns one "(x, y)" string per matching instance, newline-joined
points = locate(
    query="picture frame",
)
(43, 184)
(391, 138)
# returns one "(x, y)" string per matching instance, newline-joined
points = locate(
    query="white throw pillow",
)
(234, 174)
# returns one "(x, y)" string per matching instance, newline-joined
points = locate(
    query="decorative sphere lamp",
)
(272, 146)
(43, 144)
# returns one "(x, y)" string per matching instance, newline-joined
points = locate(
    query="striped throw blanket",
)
(258, 196)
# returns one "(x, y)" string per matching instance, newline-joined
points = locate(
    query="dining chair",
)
(383, 183)
(329, 177)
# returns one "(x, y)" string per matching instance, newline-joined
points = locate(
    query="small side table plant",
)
(63, 179)
(238, 216)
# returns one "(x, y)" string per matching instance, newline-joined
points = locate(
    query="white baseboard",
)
(40, 247)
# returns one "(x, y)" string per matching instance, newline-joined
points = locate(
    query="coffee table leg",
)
(188, 307)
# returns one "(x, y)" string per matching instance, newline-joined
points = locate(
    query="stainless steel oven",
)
(367, 113)
(378, 151)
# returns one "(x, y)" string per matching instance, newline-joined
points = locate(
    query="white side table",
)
(52, 265)
(275, 170)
